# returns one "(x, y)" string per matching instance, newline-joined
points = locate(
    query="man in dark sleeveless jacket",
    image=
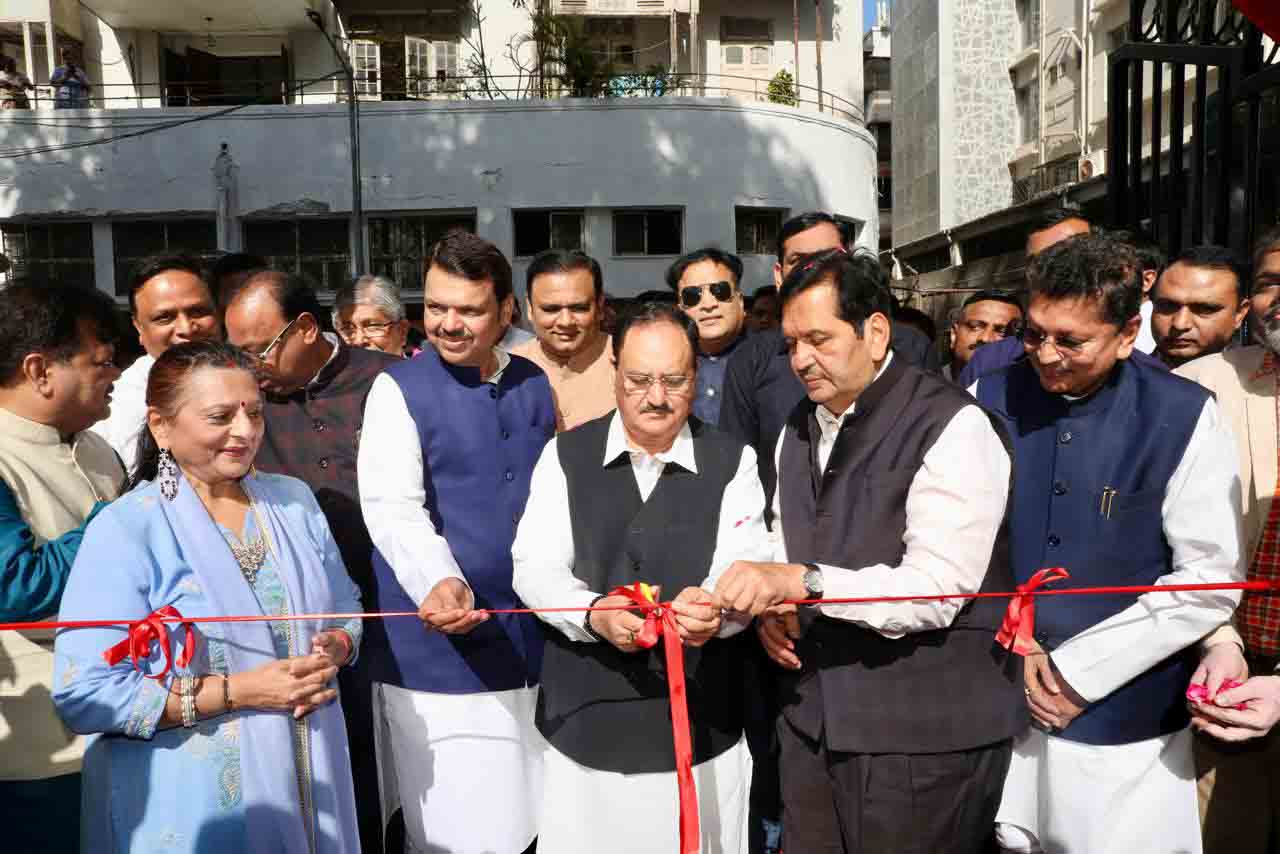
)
(642, 494)
(1124, 475)
(897, 717)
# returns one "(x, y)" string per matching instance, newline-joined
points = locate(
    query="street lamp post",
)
(353, 114)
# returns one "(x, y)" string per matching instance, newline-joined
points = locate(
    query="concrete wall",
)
(703, 155)
(916, 117)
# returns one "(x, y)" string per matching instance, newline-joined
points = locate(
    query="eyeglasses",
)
(368, 329)
(266, 354)
(634, 384)
(1065, 347)
(692, 295)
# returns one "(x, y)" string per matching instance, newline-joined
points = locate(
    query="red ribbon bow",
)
(655, 614)
(137, 645)
(1017, 632)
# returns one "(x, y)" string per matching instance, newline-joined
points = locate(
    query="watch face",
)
(813, 582)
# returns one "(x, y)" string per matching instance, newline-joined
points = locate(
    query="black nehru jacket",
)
(935, 691)
(599, 706)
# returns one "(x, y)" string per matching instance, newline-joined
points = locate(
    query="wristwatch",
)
(812, 581)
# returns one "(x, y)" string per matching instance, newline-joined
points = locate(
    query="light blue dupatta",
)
(275, 819)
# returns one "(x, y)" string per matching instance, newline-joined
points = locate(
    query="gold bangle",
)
(226, 693)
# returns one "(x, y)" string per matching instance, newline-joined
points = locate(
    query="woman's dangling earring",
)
(167, 474)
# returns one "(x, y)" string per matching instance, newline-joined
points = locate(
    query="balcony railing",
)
(1046, 178)
(224, 93)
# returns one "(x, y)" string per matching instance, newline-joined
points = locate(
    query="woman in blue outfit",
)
(244, 748)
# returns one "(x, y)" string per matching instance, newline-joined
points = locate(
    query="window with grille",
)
(430, 67)
(757, 230)
(318, 248)
(366, 62)
(539, 230)
(400, 245)
(1028, 100)
(135, 240)
(60, 252)
(648, 232)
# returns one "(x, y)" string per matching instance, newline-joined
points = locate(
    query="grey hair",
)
(377, 291)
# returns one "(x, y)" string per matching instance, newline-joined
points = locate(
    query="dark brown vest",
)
(928, 692)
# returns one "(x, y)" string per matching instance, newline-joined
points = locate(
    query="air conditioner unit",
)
(1093, 164)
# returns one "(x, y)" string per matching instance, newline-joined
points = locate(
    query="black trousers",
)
(891, 803)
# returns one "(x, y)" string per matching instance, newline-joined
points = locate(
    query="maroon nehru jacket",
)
(313, 434)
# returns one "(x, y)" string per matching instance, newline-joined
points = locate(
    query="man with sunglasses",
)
(707, 286)
(314, 389)
(1125, 475)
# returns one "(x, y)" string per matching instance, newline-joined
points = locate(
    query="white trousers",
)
(465, 768)
(1063, 797)
(587, 811)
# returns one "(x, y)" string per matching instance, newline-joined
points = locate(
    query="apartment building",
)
(632, 129)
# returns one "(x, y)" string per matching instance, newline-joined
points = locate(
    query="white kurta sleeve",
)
(1202, 524)
(392, 495)
(955, 506)
(741, 533)
(542, 554)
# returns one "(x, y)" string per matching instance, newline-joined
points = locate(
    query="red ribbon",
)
(655, 614)
(1017, 632)
(137, 645)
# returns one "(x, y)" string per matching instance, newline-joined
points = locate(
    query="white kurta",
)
(466, 768)
(1139, 796)
(128, 411)
(586, 810)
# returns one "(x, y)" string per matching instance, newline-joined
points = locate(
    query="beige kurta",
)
(55, 485)
(582, 387)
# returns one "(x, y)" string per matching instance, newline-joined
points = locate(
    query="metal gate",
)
(1208, 187)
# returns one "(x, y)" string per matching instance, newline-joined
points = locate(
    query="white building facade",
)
(677, 140)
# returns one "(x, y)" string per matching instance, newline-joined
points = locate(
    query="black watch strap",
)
(586, 620)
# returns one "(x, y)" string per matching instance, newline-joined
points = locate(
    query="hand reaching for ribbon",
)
(619, 627)
(450, 608)
(779, 629)
(334, 644)
(697, 616)
(1053, 703)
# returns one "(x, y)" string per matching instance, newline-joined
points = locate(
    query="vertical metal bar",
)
(1157, 139)
(1176, 192)
(1135, 141)
(1117, 134)
(1226, 153)
(1198, 157)
(1252, 144)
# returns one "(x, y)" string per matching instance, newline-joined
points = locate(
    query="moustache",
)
(455, 336)
(661, 409)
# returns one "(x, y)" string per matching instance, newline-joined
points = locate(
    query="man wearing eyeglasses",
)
(171, 303)
(1125, 475)
(707, 285)
(315, 387)
(646, 494)
(985, 317)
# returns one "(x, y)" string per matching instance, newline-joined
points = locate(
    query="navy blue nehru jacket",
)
(480, 442)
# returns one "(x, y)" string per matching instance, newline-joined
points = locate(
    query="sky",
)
(869, 13)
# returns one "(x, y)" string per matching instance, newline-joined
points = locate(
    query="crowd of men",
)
(740, 454)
